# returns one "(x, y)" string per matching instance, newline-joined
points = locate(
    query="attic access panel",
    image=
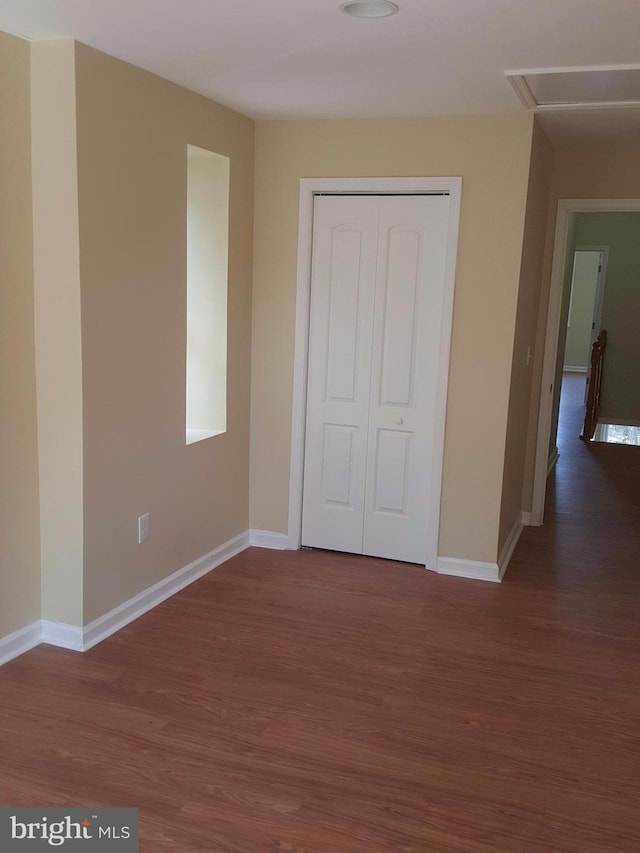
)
(606, 87)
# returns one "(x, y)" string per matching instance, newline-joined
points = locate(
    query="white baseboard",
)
(476, 570)
(114, 620)
(62, 635)
(472, 569)
(19, 642)
(509, 546)
(555, 455)
(267, 539)
(532, 519)
(570, 368)
(82, 639)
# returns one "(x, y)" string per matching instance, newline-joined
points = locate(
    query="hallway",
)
(590, 542)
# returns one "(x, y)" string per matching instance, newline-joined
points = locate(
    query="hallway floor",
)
(590, 541)
(307, 702)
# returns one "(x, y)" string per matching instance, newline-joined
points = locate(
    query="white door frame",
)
(596, 319)
(600, 285)
(566, 208)
(309, 187)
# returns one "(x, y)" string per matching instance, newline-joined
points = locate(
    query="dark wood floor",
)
(307, 703)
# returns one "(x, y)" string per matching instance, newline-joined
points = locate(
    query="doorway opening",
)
(584, 316)
(610, 228)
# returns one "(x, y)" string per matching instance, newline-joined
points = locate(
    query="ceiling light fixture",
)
(369, 8)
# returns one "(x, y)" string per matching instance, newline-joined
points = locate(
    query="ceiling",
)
(304, 58)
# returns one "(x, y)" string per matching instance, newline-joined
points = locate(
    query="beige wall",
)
(596, 171)
(19, 512)
(519, 422)
(491, 153)
(57, 327)
(620, 400)
(133, 130)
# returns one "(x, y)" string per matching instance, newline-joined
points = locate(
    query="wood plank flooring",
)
(317, 703)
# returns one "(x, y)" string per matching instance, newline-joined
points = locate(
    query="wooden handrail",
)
(595, 387)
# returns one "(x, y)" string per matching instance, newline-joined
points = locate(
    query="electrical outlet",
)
(143, 527)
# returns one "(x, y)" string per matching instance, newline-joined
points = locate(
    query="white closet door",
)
(412, 243)
(377, 284)
(343, 271)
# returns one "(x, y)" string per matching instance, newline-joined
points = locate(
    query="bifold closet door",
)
(377, 284)
(343, 274)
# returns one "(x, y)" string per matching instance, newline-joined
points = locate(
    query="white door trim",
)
(375, 186)
(566, 208)
(599, 297)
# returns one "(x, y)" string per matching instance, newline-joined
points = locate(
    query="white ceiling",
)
(304, 58)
